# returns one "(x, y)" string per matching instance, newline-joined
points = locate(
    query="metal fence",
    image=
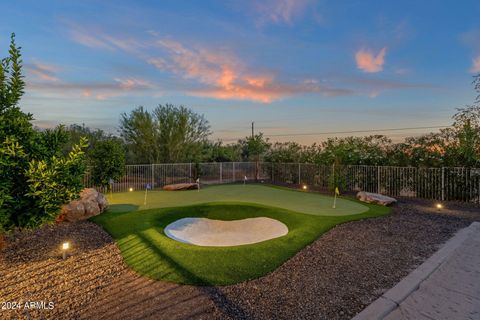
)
(459, 184)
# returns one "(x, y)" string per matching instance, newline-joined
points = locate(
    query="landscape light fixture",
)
(65, 247)
(439, 206)
(304, 187)
(130, 189)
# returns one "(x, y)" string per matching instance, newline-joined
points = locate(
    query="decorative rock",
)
(375, 198)
(91, 203)
(180, 186)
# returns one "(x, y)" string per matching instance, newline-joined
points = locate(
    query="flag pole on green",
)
(337, 193)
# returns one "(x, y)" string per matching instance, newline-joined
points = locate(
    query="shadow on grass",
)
(214, 293)
(128, 294)
(122, 208)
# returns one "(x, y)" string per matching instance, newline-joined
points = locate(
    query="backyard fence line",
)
(447, 183)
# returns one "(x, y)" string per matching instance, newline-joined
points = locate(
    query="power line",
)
(353, 131)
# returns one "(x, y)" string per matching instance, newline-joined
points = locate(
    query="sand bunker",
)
(219, 233)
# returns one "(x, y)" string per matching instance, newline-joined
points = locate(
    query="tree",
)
(35, 178)
(465, 148)
(254, 148)
(75, 132)
(107, 159)
(370, 150)
(218, 152)
(167, 134)
(285, 152)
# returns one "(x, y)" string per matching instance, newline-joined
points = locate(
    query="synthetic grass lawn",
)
(148, 251)
(295, 200)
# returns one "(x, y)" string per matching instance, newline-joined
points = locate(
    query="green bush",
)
(35, 179)
(107, 159)
(53, 182)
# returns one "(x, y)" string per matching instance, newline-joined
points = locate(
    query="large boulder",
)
(90, 203)
(180, 186)
(375, 198)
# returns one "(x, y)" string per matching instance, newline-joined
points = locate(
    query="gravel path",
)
(333, 278)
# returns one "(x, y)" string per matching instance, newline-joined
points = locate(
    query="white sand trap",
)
(219, 233)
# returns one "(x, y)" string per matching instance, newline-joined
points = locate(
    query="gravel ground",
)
(333, 278)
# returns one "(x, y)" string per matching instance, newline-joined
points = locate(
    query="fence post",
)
(378, 179)
(333, 175)
(443, 183)
(221, 178)
(299, 174)
(273, 179)
(190, 172)
(153, 176)
(234, 171)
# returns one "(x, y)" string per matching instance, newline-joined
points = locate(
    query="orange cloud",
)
(226, 77)
(475, 65)
(368, 62)
(219, 74)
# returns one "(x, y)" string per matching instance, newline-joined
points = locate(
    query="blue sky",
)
(292, 66)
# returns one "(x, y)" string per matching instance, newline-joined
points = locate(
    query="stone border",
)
(391, 299)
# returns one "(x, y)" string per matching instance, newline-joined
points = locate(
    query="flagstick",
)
(335, 201)
(145, 200)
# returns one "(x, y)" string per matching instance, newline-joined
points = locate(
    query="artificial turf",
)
(299, 201)
(148, 251)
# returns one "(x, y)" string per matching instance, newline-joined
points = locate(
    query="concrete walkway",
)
(446, 286)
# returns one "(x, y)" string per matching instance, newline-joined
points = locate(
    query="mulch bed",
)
(333, 278)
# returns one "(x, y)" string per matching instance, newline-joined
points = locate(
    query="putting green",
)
(147, 250)
(298, 201)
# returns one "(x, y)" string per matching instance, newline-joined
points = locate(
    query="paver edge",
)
(391, 299)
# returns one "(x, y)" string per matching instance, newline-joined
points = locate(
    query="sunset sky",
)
(292, 66)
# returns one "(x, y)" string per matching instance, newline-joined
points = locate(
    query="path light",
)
(130, 189)
(65, 247)
(304, 187)
(439, 206)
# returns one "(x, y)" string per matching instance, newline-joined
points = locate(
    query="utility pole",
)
(253, 129)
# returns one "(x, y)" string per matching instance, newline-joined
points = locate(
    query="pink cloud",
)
(475, 65)
(92, 38)
(43, 71)
(280, 11)
(224, 76)
(92, 90)
(369, 62)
